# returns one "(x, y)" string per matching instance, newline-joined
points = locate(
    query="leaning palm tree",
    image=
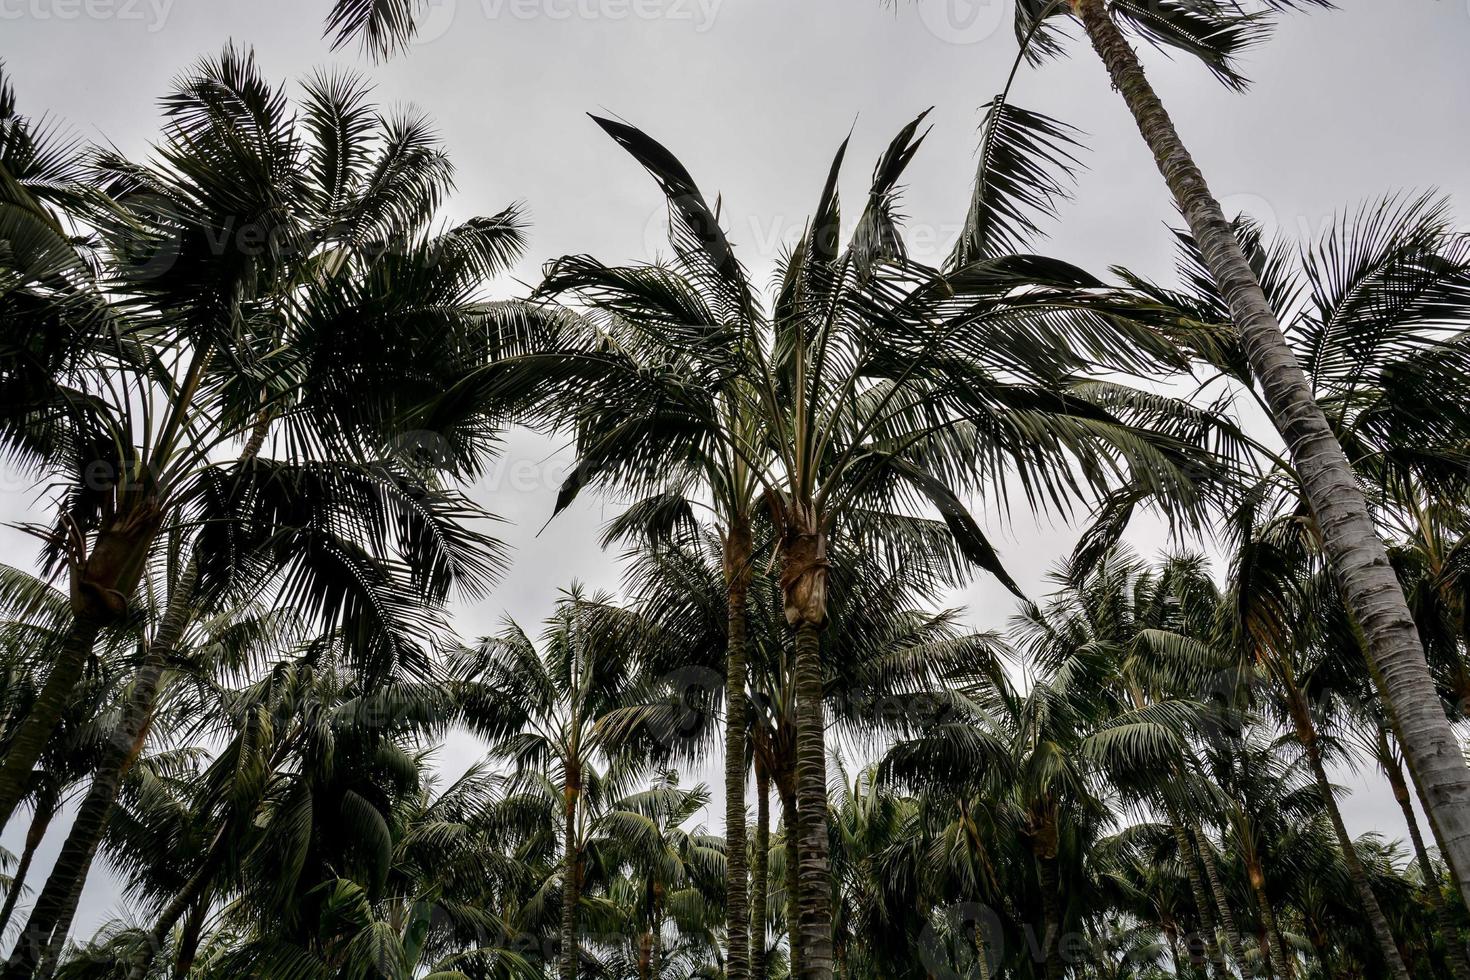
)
(1215, 31)
(1374, 312)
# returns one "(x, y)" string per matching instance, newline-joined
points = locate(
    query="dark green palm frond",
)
(381, 27)
(1216, 33)
(1026, 161)
(878, 236)
(694, 228)
(1388, 279)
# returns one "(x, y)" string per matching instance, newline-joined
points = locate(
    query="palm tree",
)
(887, 663)
(1215, 32)
(1054, 756)
(842, 432)
(543, 710)
(344, 513)
(211, 315)
(1273, 570)
(675, 428)
(658, 872)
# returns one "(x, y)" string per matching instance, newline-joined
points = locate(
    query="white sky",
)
(754, 96)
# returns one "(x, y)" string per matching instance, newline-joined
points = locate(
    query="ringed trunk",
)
(570, 886)
(1352, 543)
(738, 549)
(1222, 904)
(804, 591)
(1306, 732)
(759, 871)
(40, 823)
(793, 888)
(1279, 952)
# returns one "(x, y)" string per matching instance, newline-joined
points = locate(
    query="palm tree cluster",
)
(255, 372)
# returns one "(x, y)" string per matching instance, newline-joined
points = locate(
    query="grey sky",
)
(754, 96)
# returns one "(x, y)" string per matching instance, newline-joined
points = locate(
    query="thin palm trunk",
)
(1306, 732)
(1222, 903)
(1455, 957)
(759, 872)
(1051, 916)
(1263, 946)
(737, 916)
(815, 874)
(191, 896)
(570, 886)
(51, 917)
(793, 888)
(1351, 539)
(45, 713)
(1201, 898)
(189, 939)
(645, 953)
(1277, 943)
(46, 807)
(982, 953)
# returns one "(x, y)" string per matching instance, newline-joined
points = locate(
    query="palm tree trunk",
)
(1263, 945)
(737, 914)
(1306, 733)
(759, 872)
(982, 953)
(645, 953)
(793, 888)
(1455, 957)
(58, 940)
(45, 714)
(102, 583)
(54, 909)
(1051, 916)
(815, 877)
(189, 939)
(191, 896)
(1277, 945)
(1222, 903)
(57, 903)
(1201, 898)
(570, 886)
(655, 952)
(46, 807)
(1352, 542)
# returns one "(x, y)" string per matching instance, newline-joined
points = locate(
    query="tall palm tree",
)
(1373, 311)
(877, 383)
(1215, 32)
(356, 508)
(1272, 570)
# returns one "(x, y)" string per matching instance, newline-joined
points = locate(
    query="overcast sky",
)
(754, 96)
